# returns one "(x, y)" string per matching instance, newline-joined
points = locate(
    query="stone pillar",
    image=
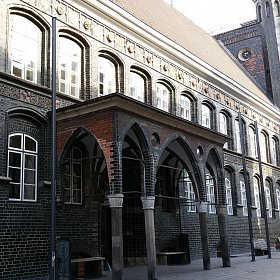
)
(202, 210)
(148, 203)
(221, 211)
(115, 203)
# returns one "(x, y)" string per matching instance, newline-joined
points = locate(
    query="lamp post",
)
(53, 191)
(247, 187)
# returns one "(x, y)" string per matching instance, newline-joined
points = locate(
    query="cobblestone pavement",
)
(242, 268)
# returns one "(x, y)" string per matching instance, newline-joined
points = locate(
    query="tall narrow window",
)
(205, 116)
(73, 177)
(210, 193)
(224, 126)
(186, 190)
(274, 151)
(229, 197)
(22, 167)
(137, 86)
(267, 9)
(107, 76)
(259, 13)
(162, 97)
(257, 196)
(276, 8)
(237, 136)
(268, 198)
(185, 110)
(26, 49)
(278, 198)
(69, 67)
(243, 198)
(264, 147)
(252, 142)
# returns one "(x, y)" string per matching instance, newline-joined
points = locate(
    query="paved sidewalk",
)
(241, 268)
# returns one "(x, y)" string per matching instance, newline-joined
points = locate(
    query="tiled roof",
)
(174, 25)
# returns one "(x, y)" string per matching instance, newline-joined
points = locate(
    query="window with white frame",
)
(70, 55)
(268, 199)
(26, 49)
(107, 76)
(187, 191)
(223, 124)
(73, 177)
(210, 193)
(137, 87)
(205, 116)
(22, 167)
(229, 197)
(257, 196)
(237, 136)
(278, 198)
(243, 198)
(223, 121)
(274, 151)
(264, 147)
(162, 97)
(252, 142)
(185, 107)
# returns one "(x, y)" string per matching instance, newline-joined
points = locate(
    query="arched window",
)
(187, 191)
(26, 48)
(259, 13)
(210, 192)
(206, 115)
(106, 76)
(268, 198)
(252, 143)
(278, 197)
(274, 151)
(243, 196)
(72, 177)
(267, 9)
(162, 97)
(264, 147)
(22, 167)
(237, 136)
(230, 194)
(186, 107)
(137, 87)
(257, 196)
(229, 197)
(223, 125)
(70, 55)
(276, 8)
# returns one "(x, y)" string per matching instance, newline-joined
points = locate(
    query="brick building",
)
(149, 153)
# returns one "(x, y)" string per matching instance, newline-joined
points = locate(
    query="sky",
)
(216, 16)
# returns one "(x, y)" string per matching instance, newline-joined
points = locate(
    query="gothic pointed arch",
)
(83, 168)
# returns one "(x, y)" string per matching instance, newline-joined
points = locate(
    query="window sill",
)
(5, 180)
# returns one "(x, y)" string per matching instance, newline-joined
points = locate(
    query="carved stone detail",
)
(60, 10)
(115, 200)
(148, 202)
(202, 206)
(87, 24)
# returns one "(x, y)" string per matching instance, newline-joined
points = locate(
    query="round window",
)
(244, 54)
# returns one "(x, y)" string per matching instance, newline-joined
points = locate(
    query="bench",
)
(260, 247)
(87, 266)
(169, 258)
